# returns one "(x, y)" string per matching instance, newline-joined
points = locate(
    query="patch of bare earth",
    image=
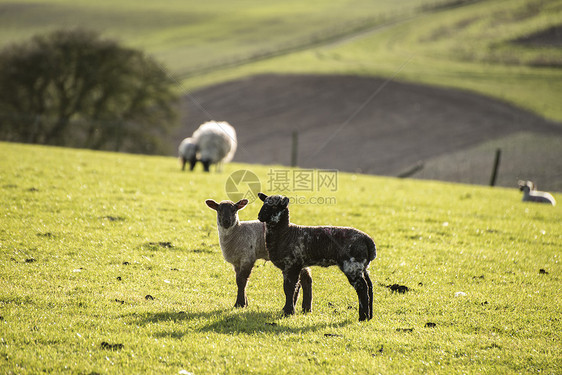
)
(551, 37)
(339, 128)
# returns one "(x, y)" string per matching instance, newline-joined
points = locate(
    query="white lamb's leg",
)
(242, 275)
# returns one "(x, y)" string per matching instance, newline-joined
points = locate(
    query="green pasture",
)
(462, 44)
(86, 237)
(192, 35)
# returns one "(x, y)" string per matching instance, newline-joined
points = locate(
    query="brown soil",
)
(551, 37)
(340, 128)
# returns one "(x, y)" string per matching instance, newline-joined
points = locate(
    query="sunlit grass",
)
(86, 237)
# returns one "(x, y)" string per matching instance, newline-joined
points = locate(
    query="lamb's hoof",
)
(240, 305)
(288, 312)
(363, 318)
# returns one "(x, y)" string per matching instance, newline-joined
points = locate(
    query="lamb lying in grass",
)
(292, 247)
(242, 243)
(530, 194)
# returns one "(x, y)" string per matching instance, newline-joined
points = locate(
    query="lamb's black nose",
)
(226, 222)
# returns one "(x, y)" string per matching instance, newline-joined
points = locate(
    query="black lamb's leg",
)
(290, 280)
(370, 285)
(297, 291)
(242, 275)
(362, 289)
(306, 283)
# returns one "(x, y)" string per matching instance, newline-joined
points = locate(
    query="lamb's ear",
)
(285, 202)
(262, 196)
(241, 204)
(212, 204)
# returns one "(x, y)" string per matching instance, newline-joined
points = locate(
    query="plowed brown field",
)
(376, 126)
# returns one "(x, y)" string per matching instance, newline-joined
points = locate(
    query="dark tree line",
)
(73, 88)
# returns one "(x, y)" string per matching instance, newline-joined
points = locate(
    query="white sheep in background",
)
(215, 143)
(242, 243)
(530, 194)
(187, 151)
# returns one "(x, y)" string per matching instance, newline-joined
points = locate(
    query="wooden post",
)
(496, 167)
(294, 148)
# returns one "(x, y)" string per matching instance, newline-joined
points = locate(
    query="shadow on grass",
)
(231, 321)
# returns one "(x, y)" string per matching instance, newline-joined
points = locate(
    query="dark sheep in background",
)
(187, 151)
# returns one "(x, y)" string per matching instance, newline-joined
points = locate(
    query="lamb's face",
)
(227, 211)
(226, 214)
(272, 208)
(525, 186)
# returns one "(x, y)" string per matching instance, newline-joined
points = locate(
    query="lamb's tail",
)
(371, 248)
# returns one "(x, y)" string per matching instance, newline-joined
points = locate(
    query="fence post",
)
(294, 148)
(496, 166)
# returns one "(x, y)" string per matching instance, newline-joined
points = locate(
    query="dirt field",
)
(551, 37)
(373, 126)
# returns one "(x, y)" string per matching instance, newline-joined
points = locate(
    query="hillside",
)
(191, 36)
(468, 45)
(506, 53)
(377, 126)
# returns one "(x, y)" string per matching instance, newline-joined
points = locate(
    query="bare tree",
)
(73, 88)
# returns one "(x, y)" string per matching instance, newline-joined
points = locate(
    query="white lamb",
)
(242, 243)
(213, 143)
(530, 194)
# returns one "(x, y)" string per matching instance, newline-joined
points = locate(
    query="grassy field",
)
(86, 237)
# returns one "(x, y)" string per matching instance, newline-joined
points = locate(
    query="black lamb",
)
(293, 247)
